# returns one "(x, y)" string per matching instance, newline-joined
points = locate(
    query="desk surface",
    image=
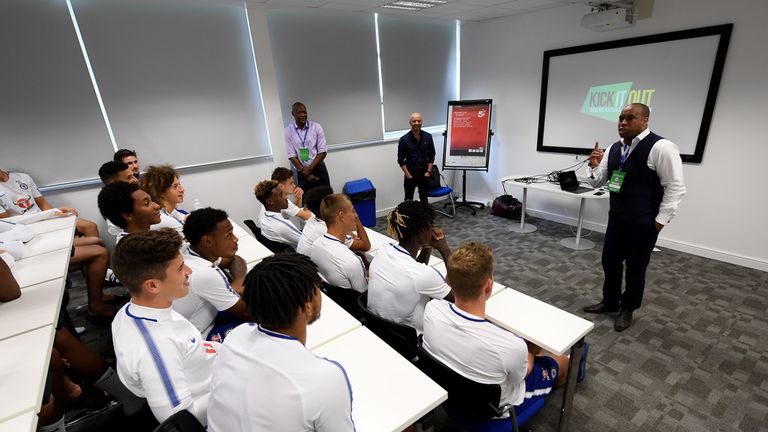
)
(547, 326)
(378, 240)
(551, 187)
(251, 250)
(41, 268)
(388, 392)
(53, 224)
(333, 323)
(25, 422)
(23, 367)
(37, 307)
(49, 242)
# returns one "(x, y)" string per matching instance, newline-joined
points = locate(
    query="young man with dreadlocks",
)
(265, 378)
(401, 281)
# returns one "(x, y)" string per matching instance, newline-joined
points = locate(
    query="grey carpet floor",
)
(694, 360)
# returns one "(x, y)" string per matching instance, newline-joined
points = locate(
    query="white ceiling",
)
(465, 10)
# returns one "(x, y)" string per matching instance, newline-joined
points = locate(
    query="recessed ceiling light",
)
(392, 6)
(413, 4)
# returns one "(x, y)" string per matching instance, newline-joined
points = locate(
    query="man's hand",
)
(298, 193)
(313, 179)
(659, 226)
(427, 174)
(67, 210)
(596, 156)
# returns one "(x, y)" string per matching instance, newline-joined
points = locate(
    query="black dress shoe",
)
(623, 321)
(600, 308)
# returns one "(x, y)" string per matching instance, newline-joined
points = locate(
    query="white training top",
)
(476, 348)
(399, 286)
(162, 357)
(292, 210)
(13, 247)
(276, 228)
(313, 229)
(17, 195)
(338, 265)
(267, 381)
(8, 258)
(174, 219)
(11, 231)
(209, 293)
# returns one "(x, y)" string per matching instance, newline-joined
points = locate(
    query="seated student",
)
(401, 282)
(129, 158)
(315, 226)
(274, 225)
(213, 304)
(460, 337)
(128, 207)
(337, 263)
(112, 171)
(265, 378)
(160, 355)
(19, 195)
(294, 212)
(162, 184)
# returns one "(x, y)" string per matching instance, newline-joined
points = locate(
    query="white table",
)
(497, 287)
(53, 224)
(547, 326)
(41, 268)
(333, 323)
(388, 392)
(23, 370)
(577, 242)
(377, 240)
(239, 231)
(49, 242)
(251, 250)
(37, 307)
(25, 422)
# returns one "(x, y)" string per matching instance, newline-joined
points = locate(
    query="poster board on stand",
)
(468, 135)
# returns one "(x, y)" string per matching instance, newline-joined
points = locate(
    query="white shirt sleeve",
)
(336, 412)
(355, 271)
(664, 158)
(211, 287)
(431, 283)
(514, 358)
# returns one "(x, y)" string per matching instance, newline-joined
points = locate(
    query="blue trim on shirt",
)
(159, 364)
(438, 273)
(290, 225)
(5, 221)
(332, 238)
(275, 334)
(127, 312)
(466, 317)
(349, 387)
(401, 249)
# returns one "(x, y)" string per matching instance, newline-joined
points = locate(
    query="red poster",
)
(469, 130)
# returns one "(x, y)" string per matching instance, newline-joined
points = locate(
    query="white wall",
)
(722, 216)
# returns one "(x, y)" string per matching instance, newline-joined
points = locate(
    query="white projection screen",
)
(676, 74)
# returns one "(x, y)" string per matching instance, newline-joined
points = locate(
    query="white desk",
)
(251, 250)
(37, 307)
(377, 241)
(26, 422)
(239, 231)
(53, 224)
(577, 242)
(41, 268)
(547, 326)
(333, 323)
(388, 392)
(497, 287)
(49, 242)
(23, 366)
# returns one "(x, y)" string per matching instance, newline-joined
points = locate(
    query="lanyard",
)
(303, 140)
(624, 156)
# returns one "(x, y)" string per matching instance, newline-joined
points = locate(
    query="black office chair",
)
(344, 297)
(275, 247)
(182, 421)
(439, 189)
(470, 404)
(400, 337)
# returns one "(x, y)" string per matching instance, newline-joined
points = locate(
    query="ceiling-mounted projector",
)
(609, 19)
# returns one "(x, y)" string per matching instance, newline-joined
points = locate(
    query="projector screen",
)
(676, 74)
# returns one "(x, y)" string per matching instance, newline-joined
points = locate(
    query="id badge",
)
(617, 178)
(304, 154)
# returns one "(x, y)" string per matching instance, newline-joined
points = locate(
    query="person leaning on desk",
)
(644, 173)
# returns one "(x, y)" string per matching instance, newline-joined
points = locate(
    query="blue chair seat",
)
(439, 192)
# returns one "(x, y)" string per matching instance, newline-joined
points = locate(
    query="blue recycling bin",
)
(363, 196)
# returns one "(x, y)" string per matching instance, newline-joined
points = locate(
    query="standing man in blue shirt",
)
(415, 155)
(306, 148)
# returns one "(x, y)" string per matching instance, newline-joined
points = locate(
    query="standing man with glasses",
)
(306, 148)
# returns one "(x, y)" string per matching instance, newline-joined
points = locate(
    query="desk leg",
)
(577, 243)
(570, 385)
(523, 228)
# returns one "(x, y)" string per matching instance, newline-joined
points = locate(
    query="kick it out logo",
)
(606, 101)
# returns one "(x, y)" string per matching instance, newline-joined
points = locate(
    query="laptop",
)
(569, 182)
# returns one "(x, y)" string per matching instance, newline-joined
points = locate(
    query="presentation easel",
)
(473, 206)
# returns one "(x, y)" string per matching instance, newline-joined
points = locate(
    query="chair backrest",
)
(344, 297)
(182, 421)
(400, 337)
(467, 399)
(434, 177)
(272, 245)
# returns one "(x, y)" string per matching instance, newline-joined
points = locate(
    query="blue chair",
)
(439, 188)
(472, 405)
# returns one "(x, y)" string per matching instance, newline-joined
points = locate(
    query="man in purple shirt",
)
(306, 148)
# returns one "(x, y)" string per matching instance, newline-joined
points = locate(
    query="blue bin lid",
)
(357, 186)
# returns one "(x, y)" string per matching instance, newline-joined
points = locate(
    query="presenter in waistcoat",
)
(644, 174)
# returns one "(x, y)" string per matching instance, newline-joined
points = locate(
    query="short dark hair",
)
(409, 219)
(122, 154)
(145, 255)
(278, 286)
(281, 174)
(201, 222)
(314, 197)
(296, 105)
(263, 189)
(115, 199)
(110, 170)
(156, 180)
(469, 267)
(332, 205)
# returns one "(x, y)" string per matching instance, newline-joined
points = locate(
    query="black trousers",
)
(417, 179)
(321, 172)
(632, 243)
